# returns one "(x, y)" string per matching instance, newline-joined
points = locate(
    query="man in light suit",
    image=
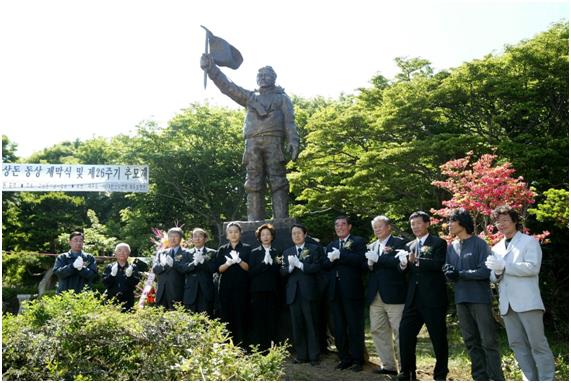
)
(170, 283)
(386, 293)
(515, 265)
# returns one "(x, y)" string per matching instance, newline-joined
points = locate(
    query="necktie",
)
(418, 248)
(172, 253)
(299, 249)
(341, 243)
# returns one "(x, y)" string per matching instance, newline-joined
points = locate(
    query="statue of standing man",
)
(269, 124)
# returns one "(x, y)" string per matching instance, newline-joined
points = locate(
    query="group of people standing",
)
(324, 287)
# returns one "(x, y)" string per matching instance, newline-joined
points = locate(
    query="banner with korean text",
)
(70, 178)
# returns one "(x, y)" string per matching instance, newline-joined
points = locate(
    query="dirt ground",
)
(326, 371)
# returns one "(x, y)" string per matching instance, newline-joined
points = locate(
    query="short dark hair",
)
(300, 226)
(345, 217)
(75, 234)
(463, 218)
(419, 213)
(267, 226)
(234, 223)
(506, 210)
(176, 230)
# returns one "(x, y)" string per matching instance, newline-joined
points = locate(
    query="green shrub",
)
(78, 337)
(23, 268)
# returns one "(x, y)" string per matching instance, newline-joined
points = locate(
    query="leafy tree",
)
(554, 208)
(95, 237)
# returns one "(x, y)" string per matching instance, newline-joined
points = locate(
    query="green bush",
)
(24, 269)
(78, 337)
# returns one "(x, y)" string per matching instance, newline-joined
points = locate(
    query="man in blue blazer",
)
(346, 261)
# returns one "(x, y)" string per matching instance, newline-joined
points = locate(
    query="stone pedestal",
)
(282, 226)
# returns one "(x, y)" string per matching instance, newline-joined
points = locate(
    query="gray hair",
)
(123, 244)
(383, 218)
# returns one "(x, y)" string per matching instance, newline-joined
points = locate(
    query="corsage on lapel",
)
(304, 254)
(347, 245)
(425, 250)
(387, 250)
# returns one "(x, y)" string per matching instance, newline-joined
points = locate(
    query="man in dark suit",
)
(426, 299)
(301, 263)
(386, 293)
(197, 265)
(121, 278)
(346, 260)
(170, 282)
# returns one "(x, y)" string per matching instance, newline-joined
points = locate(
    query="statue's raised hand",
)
(206, 61)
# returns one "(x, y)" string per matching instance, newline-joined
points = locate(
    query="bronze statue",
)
(268, 125)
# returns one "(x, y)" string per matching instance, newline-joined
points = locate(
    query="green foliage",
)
(23, 269)
(8, 150)
(76, 337)
(554, 208)
(34, 220)
(95, 237)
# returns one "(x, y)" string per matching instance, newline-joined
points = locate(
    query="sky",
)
(80, 69)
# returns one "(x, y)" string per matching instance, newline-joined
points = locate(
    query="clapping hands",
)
(333, 255)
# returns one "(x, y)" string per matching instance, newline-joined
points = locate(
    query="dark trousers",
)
(349, 328)
(304, 323)
(234, 311)
(167, 302)
(263, 306)
(480, 335)
(200, 305)
(325, 318)
(413, 317)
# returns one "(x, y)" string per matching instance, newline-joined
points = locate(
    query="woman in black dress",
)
(264, 279)
(232, 260)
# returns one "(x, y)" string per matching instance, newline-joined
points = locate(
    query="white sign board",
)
(70, 178)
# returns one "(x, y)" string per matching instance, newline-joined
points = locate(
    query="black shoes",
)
(385, 371)
(407, 376)
(299, 361)
(343, 365)
(314, 363)
(357, 367)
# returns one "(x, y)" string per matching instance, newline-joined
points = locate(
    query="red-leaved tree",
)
(479, 187)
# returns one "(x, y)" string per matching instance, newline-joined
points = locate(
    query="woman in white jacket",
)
(515, 264)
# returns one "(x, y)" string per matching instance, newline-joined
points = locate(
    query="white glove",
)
(129, 271)
(169, 260)
(162, 259)
(372, 256)
(229, 261)
(198, 258)
(235, 256)
(298, 263)
(78, 263)
(114, 269)
(333, 255)
(402, 256)
(291, 262)
(496, 264)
